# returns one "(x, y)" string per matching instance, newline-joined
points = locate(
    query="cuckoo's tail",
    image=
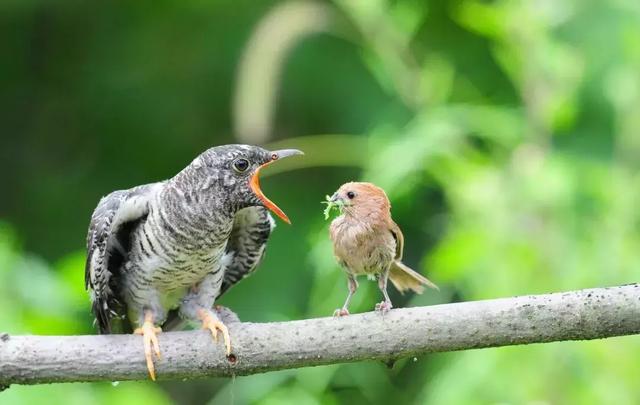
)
(403, 278)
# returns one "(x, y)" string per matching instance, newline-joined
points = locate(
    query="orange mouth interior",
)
(254, 183)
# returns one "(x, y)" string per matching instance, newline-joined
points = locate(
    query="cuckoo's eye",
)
(241, 165)
(351, 195)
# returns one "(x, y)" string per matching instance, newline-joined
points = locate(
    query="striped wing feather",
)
(112, 222)
(246, 246)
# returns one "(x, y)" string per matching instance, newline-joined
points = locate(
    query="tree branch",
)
(259, 347)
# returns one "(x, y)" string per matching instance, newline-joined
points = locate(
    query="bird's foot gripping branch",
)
(260, 347)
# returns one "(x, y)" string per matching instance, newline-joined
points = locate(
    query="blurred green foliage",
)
(505, 133)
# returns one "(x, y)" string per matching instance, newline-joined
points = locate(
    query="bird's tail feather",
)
(404, 278)
(173, 322)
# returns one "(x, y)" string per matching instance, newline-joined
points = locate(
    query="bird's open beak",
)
(254, 182)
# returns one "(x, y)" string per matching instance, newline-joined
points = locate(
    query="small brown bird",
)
(366, 241)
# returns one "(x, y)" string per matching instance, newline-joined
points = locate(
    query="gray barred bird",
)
(179, 244)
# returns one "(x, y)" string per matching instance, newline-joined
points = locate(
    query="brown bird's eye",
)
(241, 165)
(351, 195)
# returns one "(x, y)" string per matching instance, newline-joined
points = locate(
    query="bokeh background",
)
(505, 133)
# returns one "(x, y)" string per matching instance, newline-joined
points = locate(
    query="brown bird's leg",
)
(353, 286)
(150, 340)
(385, 305)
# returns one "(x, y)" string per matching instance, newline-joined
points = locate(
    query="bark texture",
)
(260, 347)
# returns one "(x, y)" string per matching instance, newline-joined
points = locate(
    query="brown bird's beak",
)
(254, 182)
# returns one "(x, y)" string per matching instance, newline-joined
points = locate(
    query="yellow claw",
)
(213, 324)
(150, 340)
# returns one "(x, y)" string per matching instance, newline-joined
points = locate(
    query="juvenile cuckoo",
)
(179, 244)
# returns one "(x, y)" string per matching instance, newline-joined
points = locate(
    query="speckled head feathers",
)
(230, 173)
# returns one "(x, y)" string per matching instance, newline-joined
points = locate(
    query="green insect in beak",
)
(332, 203)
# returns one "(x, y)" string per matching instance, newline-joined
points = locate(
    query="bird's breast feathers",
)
(363, 248)
(171, 266)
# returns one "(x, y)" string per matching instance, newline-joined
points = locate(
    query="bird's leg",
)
(148, 331)
(197, 305)
(353, 286)
(385, 305)
(211, 322)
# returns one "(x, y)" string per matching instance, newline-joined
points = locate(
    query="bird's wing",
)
(108, 246)
(399, 237)
(246, 246)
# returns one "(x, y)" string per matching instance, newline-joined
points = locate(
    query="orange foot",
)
(148, 332)
(213, 324)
